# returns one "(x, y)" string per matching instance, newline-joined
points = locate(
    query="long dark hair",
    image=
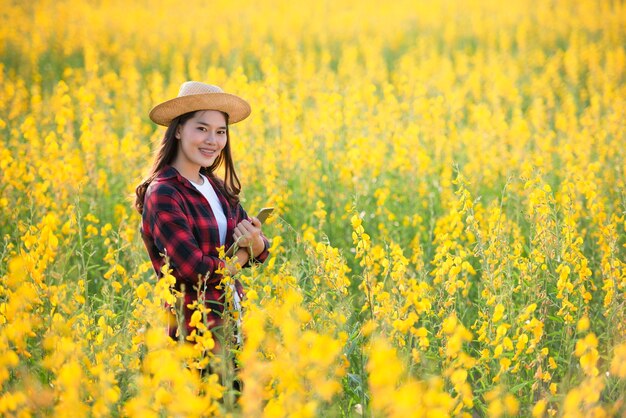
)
(167, 152)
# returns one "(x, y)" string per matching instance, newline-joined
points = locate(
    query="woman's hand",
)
(247, 235)
(240, 258)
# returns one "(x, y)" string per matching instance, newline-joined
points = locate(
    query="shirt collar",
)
(168, 172)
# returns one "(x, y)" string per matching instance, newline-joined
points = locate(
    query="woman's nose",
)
(210, 137)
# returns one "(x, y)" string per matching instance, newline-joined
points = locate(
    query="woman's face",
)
(201, 140)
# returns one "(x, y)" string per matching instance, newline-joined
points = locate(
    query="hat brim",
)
(236, 108)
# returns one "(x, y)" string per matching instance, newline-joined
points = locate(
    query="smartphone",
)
(262, 216)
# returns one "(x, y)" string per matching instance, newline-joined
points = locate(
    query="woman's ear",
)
(177, 134)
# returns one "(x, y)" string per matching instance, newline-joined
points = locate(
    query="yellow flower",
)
(618, 362)
(498, 351)
(498, 313)
(588, 343)
(539, 409)
(511, 404)
(142, 291)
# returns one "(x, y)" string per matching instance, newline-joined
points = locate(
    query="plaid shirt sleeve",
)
(174, 237)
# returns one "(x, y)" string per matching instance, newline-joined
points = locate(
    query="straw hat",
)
(193, 96)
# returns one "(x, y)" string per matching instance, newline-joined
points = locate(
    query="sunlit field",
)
(449, 183)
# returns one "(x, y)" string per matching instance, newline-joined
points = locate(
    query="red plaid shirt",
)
(177, 222)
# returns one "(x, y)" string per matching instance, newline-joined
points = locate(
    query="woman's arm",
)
(173, 236)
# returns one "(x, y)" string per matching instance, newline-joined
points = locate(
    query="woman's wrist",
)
(258, 247)
(243, 255)
(240, 258)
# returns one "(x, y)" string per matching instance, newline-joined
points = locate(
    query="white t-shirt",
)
(209, 193)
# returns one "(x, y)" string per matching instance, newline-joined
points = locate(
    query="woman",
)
(187, 211)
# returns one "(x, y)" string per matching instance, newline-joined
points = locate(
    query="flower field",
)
(449, 181)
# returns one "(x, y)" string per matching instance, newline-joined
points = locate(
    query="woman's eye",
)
(203, 129)
(221, 132)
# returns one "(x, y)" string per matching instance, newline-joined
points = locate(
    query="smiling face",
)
(200, 141)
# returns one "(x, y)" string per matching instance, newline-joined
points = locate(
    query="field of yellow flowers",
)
(449, 182)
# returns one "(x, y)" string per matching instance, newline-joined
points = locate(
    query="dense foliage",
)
(448, 177)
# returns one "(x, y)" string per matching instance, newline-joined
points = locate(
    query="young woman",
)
(187, 211)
